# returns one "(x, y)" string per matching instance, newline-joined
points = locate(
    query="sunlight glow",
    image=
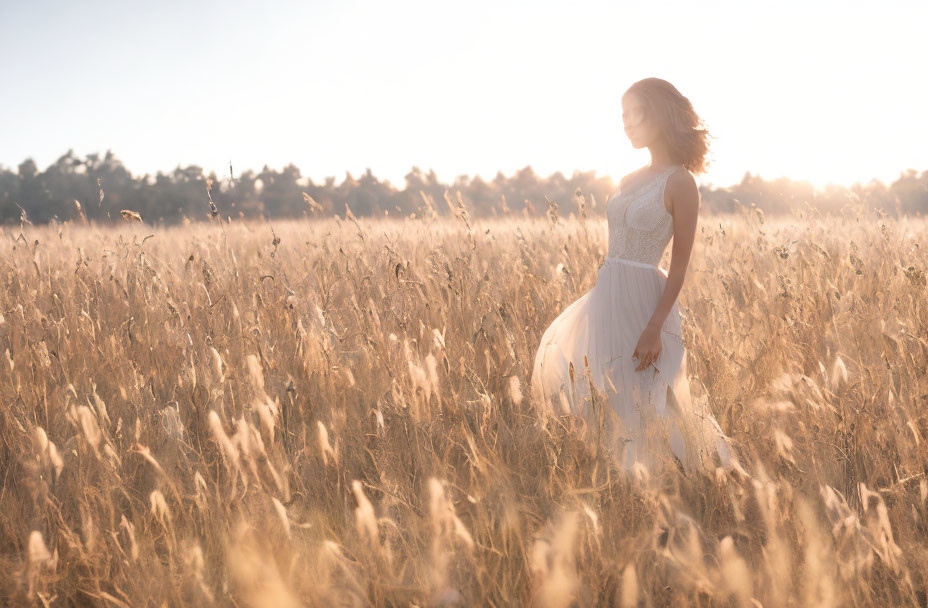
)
(823, 94)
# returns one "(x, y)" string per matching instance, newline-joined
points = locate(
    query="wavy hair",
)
(682, 128)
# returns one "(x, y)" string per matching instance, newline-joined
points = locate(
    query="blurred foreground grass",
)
(335, 413)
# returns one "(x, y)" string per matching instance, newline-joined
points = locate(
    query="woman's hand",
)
(648, 347)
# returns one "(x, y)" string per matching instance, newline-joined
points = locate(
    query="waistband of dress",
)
(617, 260)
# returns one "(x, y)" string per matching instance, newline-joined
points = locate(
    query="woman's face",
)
(639, 130)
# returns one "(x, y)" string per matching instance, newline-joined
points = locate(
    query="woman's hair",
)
(678, 122)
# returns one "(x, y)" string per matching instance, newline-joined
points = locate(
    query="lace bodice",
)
(639, 225)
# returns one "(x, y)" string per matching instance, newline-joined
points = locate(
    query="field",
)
(336, 413)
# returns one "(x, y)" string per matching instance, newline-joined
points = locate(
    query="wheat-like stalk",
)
(334, 412)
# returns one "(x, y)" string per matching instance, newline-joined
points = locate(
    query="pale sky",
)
(829, 92)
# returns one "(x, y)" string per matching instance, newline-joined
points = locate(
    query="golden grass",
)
(337, 414)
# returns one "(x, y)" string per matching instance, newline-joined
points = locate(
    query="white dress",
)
(645, 411)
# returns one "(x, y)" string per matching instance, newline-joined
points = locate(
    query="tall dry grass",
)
(336, 414)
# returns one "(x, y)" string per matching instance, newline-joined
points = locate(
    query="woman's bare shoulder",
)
(681, 178)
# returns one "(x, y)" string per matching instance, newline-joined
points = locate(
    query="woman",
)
(624, 335)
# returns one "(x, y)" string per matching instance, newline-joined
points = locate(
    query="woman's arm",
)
(684, 199)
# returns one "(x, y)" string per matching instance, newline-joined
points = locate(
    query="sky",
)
(821, 91)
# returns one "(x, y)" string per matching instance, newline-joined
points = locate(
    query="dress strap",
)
(670, 171)
(664, 178)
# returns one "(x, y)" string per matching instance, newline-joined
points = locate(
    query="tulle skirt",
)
(647, 416)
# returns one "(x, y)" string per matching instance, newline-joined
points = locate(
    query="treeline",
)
(100, 188)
